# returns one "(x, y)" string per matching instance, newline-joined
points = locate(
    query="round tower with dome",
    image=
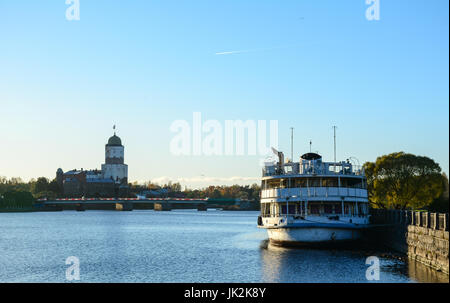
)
(114, 167)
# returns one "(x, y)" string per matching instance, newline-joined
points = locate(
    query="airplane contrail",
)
(248, 51)
(233, 52)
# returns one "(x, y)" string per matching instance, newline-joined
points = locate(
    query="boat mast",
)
(292, 144)
(334, 129)
(289, 179)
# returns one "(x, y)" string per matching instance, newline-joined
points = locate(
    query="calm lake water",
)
(176, 246)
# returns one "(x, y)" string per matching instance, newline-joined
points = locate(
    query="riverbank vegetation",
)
(15, 194)
(395, 181)
(406, 181)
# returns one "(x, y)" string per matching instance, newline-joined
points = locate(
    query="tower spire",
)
(114, 128)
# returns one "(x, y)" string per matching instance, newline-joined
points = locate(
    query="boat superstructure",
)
(313, 201)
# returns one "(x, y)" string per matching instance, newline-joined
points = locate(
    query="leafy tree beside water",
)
(40, 185)
(43, 188)
(441, 204)
(403, 181)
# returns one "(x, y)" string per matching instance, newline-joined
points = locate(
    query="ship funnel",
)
(280, 158)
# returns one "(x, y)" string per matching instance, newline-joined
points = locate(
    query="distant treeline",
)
(243, 192)
(41, 187)
(16, 192)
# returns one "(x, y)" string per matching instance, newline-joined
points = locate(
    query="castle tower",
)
(59, 178)
(114, 167)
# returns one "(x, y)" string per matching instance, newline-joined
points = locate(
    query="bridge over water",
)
(128, 204)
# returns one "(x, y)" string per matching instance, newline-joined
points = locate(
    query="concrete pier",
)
(124, 206)
(162, 206)
(202, 207)
(79, 207)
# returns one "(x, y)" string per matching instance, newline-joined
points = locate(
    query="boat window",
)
(338, 208)
(361, 210)
(287, 169)
(328, 209)
(354, 183)
(347, 209)
(300, 182)
(314, 182)
(313, 209)
(330, 182)
(265, 209)
(274, 183)
(291, 209)
(334, 168)
(344, 182)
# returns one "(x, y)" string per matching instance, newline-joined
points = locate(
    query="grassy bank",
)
(18, 210)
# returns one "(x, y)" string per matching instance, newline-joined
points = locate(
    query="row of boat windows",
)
(314, 182)
(314, 208)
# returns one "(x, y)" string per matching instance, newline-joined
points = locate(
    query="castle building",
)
(110, 181)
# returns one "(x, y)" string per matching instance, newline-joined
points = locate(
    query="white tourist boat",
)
(312, 201)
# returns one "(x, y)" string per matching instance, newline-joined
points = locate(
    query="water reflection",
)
(311, 265)
(178, 246)
(422, 273)
(304, 265)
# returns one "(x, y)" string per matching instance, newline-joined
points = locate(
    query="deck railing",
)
(310, 192)
(327, 170)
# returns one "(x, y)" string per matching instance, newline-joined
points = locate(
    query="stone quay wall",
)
(423, 236)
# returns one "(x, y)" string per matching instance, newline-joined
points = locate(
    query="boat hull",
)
(311, 235)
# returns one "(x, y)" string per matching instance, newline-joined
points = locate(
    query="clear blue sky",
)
(143, 64)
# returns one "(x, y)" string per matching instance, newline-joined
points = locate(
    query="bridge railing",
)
(438, 221)
(123, 199)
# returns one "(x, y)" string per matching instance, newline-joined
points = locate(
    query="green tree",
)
(242, 195)
(441, 204)
(13, 184)
(54, 187)
(401, 180)
(40, 185)
(255, 192)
